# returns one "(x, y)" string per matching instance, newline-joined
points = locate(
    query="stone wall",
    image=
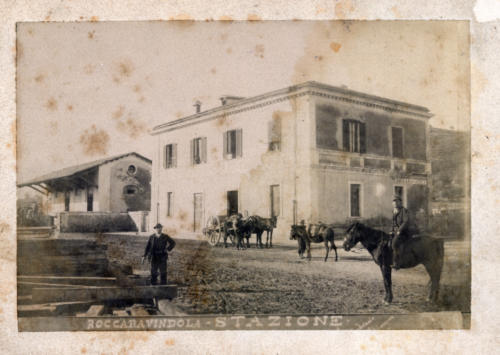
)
(90, 222)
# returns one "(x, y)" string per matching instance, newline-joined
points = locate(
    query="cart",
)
(216, 229)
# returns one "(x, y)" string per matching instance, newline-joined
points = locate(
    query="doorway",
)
(66, 201)
(232, 202)
(198, 211)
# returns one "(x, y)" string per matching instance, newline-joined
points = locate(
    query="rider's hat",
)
(397, 198)
(158, 225)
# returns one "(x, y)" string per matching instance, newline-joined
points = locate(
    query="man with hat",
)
(402, 229)
(159, 244)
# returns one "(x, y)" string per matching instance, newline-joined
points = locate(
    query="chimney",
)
(227, 99)
(197, 104)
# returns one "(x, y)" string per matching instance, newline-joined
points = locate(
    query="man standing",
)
(159, 244)
(402, 229)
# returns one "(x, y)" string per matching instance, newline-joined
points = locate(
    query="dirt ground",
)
(216, 280)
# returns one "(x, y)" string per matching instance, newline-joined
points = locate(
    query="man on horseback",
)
(402, 229)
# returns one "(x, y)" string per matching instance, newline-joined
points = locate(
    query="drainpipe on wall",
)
(158, 163)
(295, 177)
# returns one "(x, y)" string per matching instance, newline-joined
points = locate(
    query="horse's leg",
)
(334, 248)
(434, 270)
(327, 249)
(308, 246)
(386, 274)
(271, 239)
(301, 247)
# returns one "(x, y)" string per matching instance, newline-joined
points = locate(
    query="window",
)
(274, 132)
(199, 151)
(170, 204)
(397, 142)
(353, 133)
(131, 170)
(275, 200)
(170, 156)
(130, 190)
(355, 200)
(232, 144)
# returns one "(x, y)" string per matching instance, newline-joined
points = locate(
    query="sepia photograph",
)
(243, 175)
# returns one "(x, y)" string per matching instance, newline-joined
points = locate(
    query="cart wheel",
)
(213, 230)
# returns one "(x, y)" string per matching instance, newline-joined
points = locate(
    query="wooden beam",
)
(87, 182)
(70, 280)
(43, 295)
(46, 186)
(34, 188)
(51, 309)
(46, 191)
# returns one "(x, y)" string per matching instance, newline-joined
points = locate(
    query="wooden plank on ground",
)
(30, 247)
(71, 280)
(69, 267)
(43, 295)
(51, 309)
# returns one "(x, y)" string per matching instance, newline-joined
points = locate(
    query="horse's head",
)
(352, 236)
(296, 231)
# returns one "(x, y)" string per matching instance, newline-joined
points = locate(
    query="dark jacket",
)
(158, 246)
(402, 223)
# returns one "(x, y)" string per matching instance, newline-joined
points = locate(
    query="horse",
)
(258, 225)
(324, 234)
(232, 226)
(419, 249)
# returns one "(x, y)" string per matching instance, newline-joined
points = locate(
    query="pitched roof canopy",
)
(76, 169)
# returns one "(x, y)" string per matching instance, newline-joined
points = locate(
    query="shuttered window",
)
(355, 200)
(397, 142)
(199, 150)
(170, 156)
(233, 144)
(275, 200)
(170, 203)
(354, 136)
(274, 133)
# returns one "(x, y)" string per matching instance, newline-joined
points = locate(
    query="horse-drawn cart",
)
(218, 228)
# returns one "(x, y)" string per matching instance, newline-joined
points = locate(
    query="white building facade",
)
(309, 152)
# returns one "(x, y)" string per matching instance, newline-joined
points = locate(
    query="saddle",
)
(316, 232)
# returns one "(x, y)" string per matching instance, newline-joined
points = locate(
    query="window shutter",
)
(165, 156)
(224, 147)
(174, 155)
(345, 134)
(191, 152)
(270, 132)
(362, 137)
(204, 149)
(239, 143)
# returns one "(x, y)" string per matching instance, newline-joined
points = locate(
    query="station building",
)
(311, 152)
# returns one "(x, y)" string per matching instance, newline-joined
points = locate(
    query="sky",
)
(89, 90)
